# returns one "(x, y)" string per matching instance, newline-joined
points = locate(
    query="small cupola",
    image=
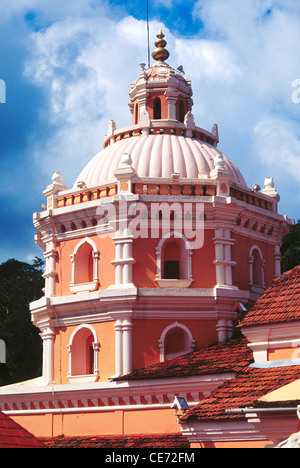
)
(161, 92)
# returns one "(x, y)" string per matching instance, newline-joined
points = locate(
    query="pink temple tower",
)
(147, 257)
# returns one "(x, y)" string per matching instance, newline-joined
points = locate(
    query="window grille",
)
(91, 360)
(172, 269)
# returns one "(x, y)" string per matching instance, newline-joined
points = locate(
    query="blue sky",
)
(68, 66)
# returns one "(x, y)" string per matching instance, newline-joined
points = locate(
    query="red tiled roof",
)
(130, 441)
(12, 435)
(242, 392)
(279, 303)
(230, 356)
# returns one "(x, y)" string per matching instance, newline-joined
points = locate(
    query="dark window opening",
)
(157, 109)
(91, 364)
(181, 112)
(172, 269)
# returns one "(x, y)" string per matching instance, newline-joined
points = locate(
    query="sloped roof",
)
(243, 391)
(279, 303)
(230, 356)
(12, 435)
(130, 441)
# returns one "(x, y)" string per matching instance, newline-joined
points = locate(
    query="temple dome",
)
(163, 138)
(158, 156)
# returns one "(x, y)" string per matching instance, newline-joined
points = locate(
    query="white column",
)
(119, 348)
(50, 269)
(223, 261)
(230, 328)
(227, 258)
(127, 267)
(95, 265)
(277, 257)
(219, 260)
(225, 329)
(222, 330)
(48, 337)
(118, 266)
(172, 99)
(69, 347)
(127, 346)
(96, 348)
(250, 263)
(123, 261)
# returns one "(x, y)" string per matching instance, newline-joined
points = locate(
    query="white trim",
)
(80, 327)
(161, 341)
(186, 255)
(92, 409)
(83, 241)
(96, 346)
(174, 283)
(30, 397)
(256, 288)
(75, 379)
(229, 431)
(257, 427)
(264, 338)
(92, 285)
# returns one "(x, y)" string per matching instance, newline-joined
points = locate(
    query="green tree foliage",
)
(20, 284)
(290, 249)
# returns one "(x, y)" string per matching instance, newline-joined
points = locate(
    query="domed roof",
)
(158, 156)
(163, 138)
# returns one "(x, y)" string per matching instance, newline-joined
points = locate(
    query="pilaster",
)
(48, 337)
(223, 261)
(123, 346)
(50, 269)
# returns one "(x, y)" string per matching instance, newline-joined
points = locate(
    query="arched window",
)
(83, 355)
(174, 262)
(157, 109)
(256, 270)
(84, 267)
(176, 340)
(181, 112)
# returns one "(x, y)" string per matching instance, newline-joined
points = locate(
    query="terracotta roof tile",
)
(279, 303)
(241, 392)
(231, 356)
(12, 435)
(130, 441)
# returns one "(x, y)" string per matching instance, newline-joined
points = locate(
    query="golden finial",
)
(160, 53)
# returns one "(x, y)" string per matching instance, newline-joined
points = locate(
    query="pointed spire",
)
(160, 53)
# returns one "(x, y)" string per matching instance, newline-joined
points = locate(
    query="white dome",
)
(157, 156)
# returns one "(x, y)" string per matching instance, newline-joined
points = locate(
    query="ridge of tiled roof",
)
(115, 442)
(230, 356)
(279, 303)
(12, 435)
(243, 391)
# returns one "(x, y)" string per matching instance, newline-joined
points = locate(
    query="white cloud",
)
(278, 145)
(262, 41)
(267, 45)
(86, 76)
(242, 69)
(50, 11)
(211, 59)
